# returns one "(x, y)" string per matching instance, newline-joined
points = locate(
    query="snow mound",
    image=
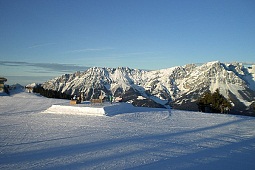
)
(98, 110)
(74, 110)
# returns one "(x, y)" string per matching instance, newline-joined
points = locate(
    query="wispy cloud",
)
(137, 53)
(131, 55)
(41, 45)
(89, 49)
(56, 67)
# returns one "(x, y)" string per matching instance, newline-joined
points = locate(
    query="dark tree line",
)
(50, 93)
(213, 102)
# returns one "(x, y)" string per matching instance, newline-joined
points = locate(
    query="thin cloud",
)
(90, 49)
(137, 53)
(41, 45)
(56, 67)
(131, 54)
(13, 63)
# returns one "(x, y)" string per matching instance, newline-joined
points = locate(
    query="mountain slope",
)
(180, 86)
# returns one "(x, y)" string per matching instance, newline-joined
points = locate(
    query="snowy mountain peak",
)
(180, 85)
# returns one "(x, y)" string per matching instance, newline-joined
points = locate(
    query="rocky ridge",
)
(178, 86)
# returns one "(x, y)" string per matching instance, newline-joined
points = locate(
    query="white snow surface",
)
(131, 138)
(105, 109)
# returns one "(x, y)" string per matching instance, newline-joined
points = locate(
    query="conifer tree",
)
(215, 102)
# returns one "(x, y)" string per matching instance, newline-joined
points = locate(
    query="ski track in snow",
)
(155, 139)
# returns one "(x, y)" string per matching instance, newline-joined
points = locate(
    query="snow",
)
(165, 85)
(74, 110)
(105, 109)
(130, 138)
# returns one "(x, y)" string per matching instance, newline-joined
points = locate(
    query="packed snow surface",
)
(130, 138)
(100, 109)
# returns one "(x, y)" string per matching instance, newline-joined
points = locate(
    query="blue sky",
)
(145, 34)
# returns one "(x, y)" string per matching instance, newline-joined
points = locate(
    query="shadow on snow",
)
(223, 156)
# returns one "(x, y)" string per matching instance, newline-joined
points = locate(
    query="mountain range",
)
(179, 87)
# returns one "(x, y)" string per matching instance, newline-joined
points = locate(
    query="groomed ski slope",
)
(143, 139)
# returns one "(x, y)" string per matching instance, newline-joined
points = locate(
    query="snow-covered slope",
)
(152, 139)
(180, 85)
(106, 79)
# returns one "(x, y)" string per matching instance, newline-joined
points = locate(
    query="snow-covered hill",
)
(180, 86)
(151, 139)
